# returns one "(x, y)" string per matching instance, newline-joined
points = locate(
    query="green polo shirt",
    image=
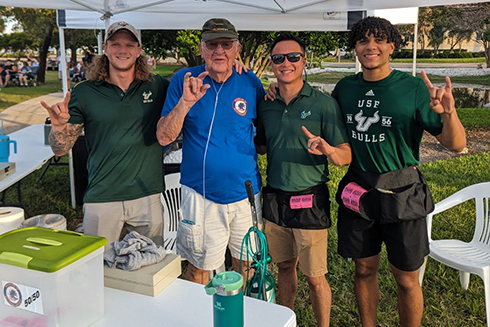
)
(290, 166)
(125, 160)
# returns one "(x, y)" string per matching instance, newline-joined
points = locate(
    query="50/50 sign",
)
(22, 297)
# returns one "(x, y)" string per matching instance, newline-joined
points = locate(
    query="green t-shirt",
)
(290, 166)
(125, 160)
(386, 120)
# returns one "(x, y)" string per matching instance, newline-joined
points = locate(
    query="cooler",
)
(51, 278)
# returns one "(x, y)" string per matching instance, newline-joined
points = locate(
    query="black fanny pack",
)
(307, 209)
(395, 196)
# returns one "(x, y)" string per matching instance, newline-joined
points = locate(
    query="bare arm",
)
(338, 155)
(453, 135)
(169, 127)
(63, 134)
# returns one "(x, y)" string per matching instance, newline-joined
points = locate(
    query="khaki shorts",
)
(310, 245)
(109, 219)
(207, 228)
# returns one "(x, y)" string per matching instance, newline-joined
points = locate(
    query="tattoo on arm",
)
(62, 141)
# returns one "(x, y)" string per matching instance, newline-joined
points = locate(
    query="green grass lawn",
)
(166, 70)
(12, 95)
(446, 304)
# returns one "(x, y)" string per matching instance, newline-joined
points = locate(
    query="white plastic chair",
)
(171, 199)
(171, 204)
(468, 257)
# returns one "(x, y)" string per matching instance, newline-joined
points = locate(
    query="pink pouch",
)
(351, 196)
(301, 201)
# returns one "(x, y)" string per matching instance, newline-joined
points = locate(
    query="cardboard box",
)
(6, 169)
(149, 280)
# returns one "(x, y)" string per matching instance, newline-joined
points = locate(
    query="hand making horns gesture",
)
(194, 89)
(441, 98)
(58, 113)
(317, 145)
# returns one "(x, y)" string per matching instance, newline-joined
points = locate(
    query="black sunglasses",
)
(292, 57)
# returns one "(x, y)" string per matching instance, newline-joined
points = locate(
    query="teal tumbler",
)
(227, 291)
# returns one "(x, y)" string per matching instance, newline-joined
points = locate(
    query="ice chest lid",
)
(45, 249)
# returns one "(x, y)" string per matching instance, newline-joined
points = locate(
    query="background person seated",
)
(78, 73)
(8, 73)
(25, 74)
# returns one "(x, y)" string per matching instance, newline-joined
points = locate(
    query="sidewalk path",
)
(27, 113)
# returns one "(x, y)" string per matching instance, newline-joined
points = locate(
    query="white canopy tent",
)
(245, 14)
(224, 7)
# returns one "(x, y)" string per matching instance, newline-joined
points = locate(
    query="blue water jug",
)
(227, 291)
(5, 142)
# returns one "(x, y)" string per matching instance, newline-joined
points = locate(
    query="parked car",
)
(52, 64)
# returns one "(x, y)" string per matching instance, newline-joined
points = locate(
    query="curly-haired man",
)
(383, 197)
(118, 107)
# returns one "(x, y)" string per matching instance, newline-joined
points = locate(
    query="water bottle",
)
(47, 130)
(227, 291)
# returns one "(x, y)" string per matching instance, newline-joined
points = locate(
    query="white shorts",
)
(207, 228)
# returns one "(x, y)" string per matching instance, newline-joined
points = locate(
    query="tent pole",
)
(99, 43)
(415, 45)
(64, 82)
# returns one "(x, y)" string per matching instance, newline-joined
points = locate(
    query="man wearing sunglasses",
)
(215, 109)
(296, 199)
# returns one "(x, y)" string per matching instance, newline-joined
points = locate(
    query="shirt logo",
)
(370, 93)
(240, 106)
(146, 97)
(363, 123)
(305, 114)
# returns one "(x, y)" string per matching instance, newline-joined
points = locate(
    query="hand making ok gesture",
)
(58, 113)
(441, 98)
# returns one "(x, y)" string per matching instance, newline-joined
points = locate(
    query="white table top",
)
(183, 304)
(31, 154)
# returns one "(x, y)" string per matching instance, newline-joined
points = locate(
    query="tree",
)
(187, 42)
(318, 43)
(424, 26)
(483, 32)
(341, 41)
(39, 24)
(440, 25)
(158, 44)
(184, 43)
(463, 21)
(255, 50)
(76, 39)
(16, 42)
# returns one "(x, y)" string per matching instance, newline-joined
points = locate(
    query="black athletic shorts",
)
(406, 242)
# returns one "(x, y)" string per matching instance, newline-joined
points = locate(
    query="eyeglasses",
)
(213, 45)
(292, 57)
